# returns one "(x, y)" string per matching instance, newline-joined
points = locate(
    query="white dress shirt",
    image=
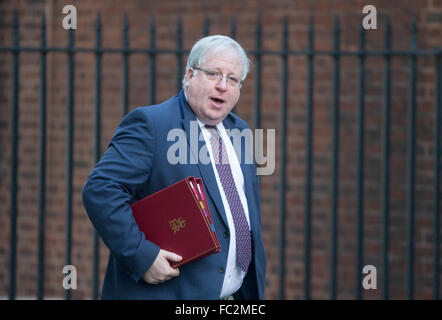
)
(233, 274)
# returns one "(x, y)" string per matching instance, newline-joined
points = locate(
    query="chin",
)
(215, 119)
(213, 122)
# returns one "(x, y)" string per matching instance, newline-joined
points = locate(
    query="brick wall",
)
(428, 14)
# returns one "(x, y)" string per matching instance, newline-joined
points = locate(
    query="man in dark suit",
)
(139, 162)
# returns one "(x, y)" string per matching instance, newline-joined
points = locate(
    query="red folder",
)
(177, 219)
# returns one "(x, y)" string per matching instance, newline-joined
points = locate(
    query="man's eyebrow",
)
(219, 70)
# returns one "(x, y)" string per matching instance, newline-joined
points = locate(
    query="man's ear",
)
(189, 74)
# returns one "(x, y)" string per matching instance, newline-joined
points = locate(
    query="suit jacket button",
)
(226, 234)
(221, 269)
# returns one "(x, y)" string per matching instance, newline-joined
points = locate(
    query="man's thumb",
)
(172, 256)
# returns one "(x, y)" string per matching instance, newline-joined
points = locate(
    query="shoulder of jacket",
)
(157, 109)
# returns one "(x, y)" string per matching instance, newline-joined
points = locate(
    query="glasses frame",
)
(220, 77)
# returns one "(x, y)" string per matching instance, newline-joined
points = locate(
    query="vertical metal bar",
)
(360, 166)
(283, 186)
(258, 55)
(125, 76)
(179, 54)
(97, 147)
(233, 27)
(152, 61)
(233, 35)
(437, 93)
(69, 150)
(42, 164)
(14, 158)
(335, 163)
(309, 160)
(386, 162)
(411, 160)
(206, 26)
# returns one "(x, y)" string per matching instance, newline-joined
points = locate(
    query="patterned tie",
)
(243, 239)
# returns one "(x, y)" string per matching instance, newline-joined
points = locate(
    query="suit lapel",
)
(193, 133)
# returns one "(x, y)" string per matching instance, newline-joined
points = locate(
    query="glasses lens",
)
(233, 81)
(213, 75)
(218, 76)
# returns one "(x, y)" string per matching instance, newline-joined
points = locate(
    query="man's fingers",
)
(172, 256)
(168, 276)
(161, 271)
(175, 272)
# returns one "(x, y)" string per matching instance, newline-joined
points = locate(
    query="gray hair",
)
(211, 45)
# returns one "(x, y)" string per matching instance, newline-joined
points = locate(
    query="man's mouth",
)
(217, 100)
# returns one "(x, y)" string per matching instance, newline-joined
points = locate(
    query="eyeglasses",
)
(213, 75)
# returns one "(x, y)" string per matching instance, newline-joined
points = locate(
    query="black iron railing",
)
(310, 53)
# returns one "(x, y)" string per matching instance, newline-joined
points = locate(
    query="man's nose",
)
(222, 84)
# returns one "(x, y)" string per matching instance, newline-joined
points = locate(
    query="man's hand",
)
(161, 271)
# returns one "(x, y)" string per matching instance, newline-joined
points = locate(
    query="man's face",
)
(212, 100)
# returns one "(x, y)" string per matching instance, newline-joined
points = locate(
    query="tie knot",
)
(212, 129)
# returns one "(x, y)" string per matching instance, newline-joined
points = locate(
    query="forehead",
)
(227, 61)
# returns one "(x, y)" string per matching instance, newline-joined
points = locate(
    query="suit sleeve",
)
(121, 172)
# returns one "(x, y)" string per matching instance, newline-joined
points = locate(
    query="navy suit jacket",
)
(134, 166)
